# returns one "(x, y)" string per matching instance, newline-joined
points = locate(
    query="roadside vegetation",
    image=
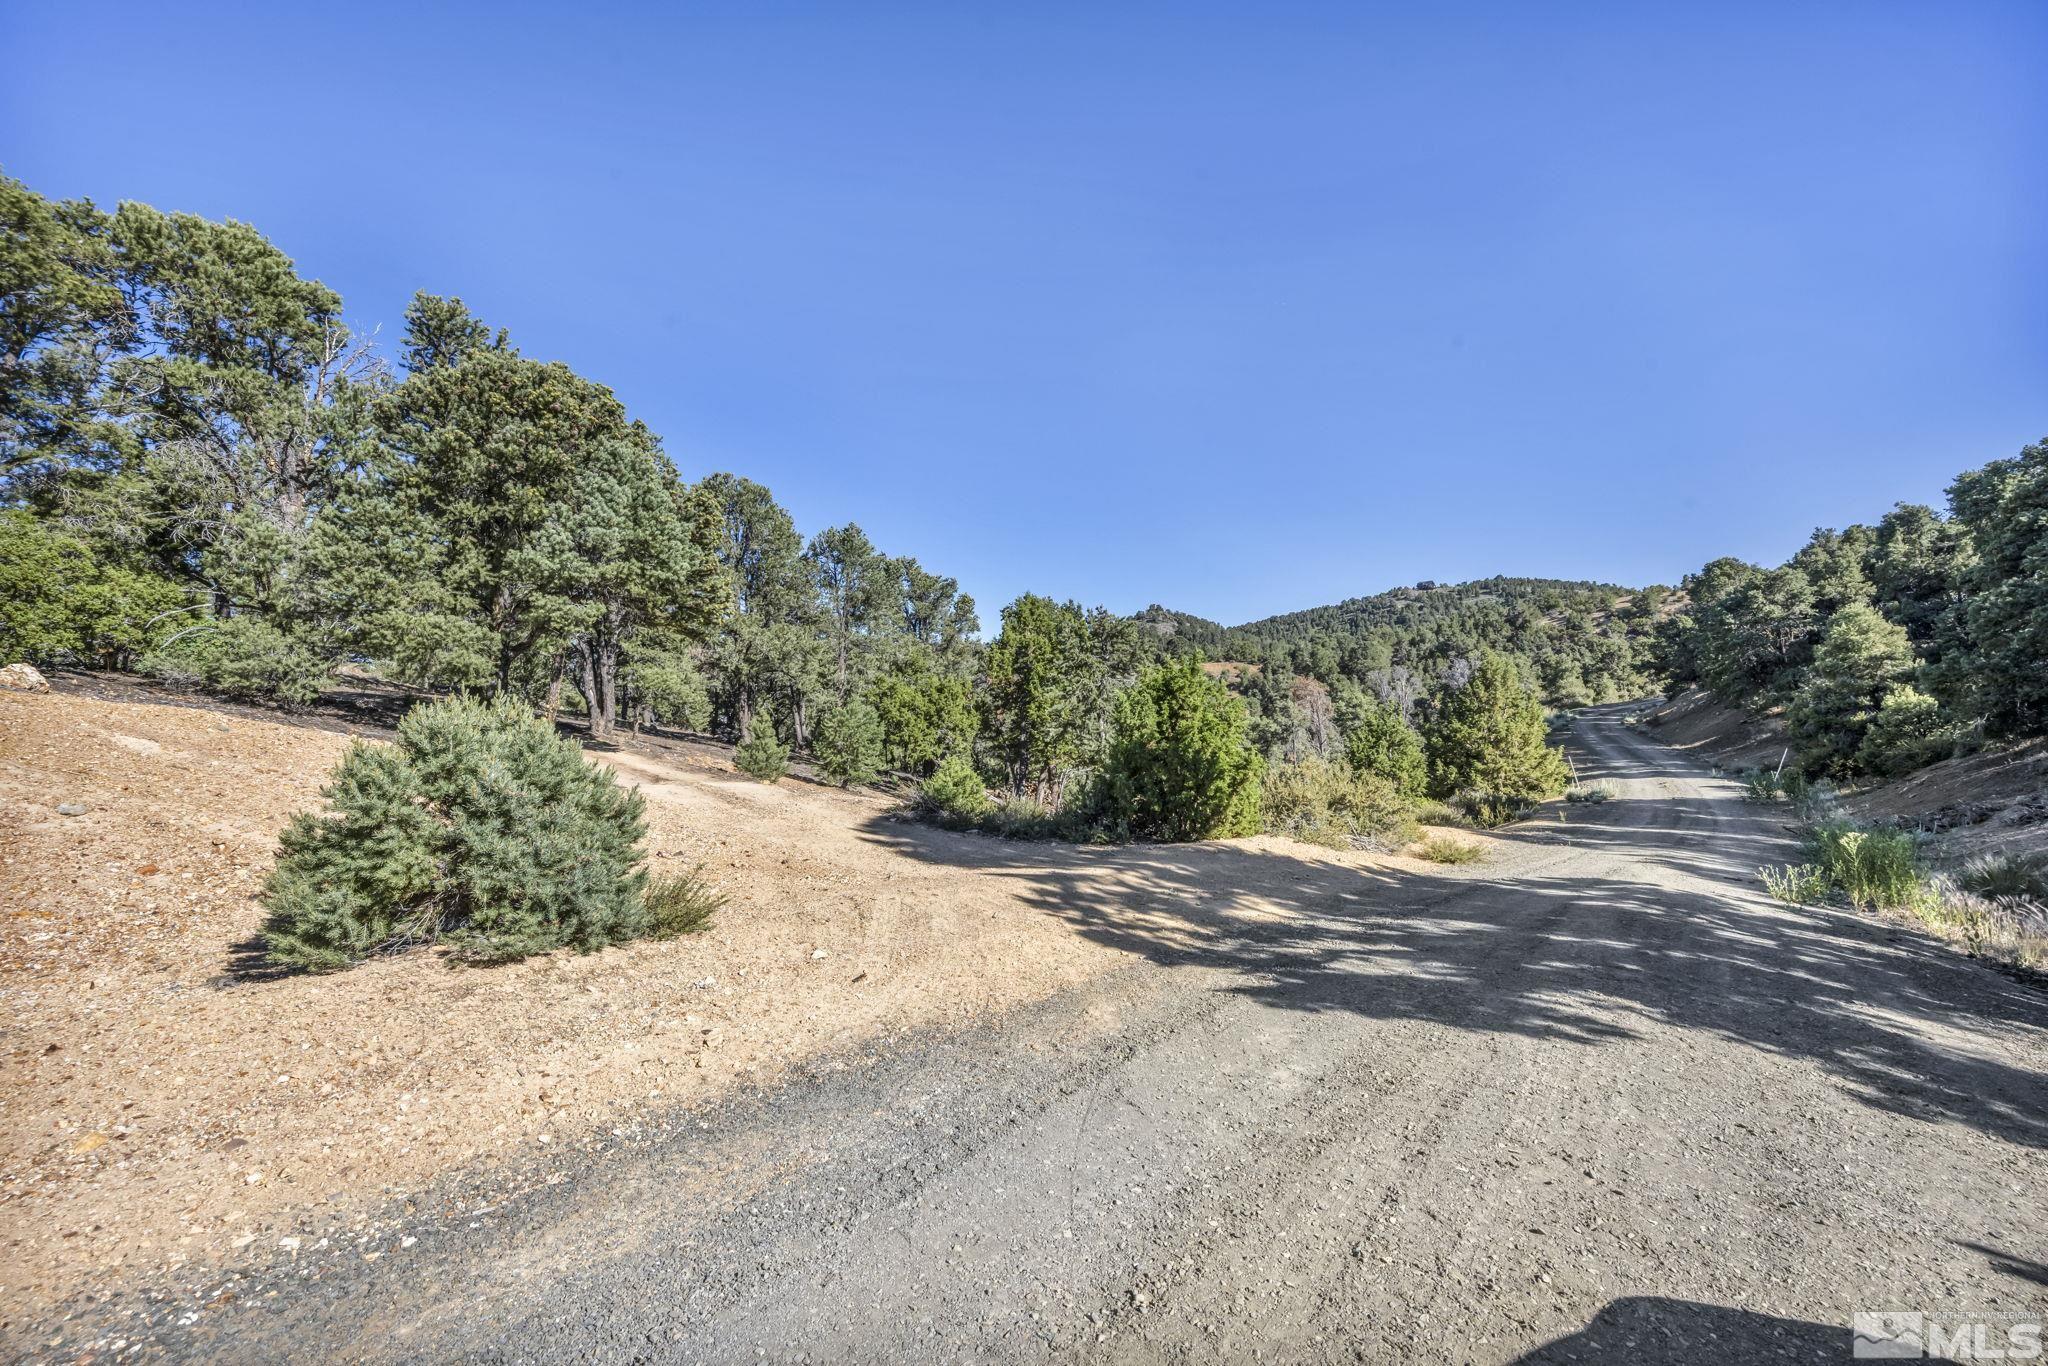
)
(1444, 849)
(1884, 648)
(479, 828)
(1995, 907)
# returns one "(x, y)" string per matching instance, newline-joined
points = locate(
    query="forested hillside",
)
(208, 476)
(1888, 646)
(1576, 643)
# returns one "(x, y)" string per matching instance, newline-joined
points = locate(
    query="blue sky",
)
(1238, 309)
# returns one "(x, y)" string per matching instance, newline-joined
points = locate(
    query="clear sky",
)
(1237, 309)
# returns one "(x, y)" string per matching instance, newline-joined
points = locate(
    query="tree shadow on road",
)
(1572, 945)
(1651, 1330)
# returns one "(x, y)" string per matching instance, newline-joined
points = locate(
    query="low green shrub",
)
(1488, 810)
(1331, 804)
(761, 755)
(241, 657)
(478, 828)
(1019, 817)
(1598, 792)
(1800, 884)
(680, 904)
(1871, 867)
(2007, 931)
(2020, 878)
(1441, 849)
(955, 791)
(1433, 812)
(1761, 785)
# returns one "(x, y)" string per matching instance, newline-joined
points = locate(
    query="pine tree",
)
(488, 451)
(848, 746)
(1861, 657)
(955, 790)
(1486, 743)
(761, 755)
(858, 586)
(1029, 702)
(1382, 744)
(58, 600)
(2004, 507)
(622, 558)
(478, 827)
(1908, 731)
(925, 714)
(1180, 767)
(767, 645)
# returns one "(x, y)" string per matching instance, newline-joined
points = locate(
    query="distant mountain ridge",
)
(1578, 639)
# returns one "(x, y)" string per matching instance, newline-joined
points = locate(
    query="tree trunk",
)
(592, 706)
(608, 682)
(501, 610)
(555, 686)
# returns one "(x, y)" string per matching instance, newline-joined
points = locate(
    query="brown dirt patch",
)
(158, 1109)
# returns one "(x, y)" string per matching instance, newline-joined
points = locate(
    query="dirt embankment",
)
(1980, 803)
(1700, 725)
(160, 1107)
(1995, 800)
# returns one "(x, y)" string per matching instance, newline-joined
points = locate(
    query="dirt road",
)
(1593, 1100)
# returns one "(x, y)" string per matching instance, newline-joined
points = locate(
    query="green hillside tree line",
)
(1887, 647)
(206, 475)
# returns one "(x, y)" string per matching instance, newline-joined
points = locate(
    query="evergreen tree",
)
(478, 828)
(925, 714)
(1486, 741)
(762, 755)
(1384, 745)
(848, 746)
(489, 450)
(1916, 565)
(2004, 508)
(65, 323)
(1033, 702)
(955, 790)
(442, 332)
(1180, 767)
(60, 601)
(767, 646)
(858, 586)
(622, 556)
(1861, 658)
(668, 686)
(936, 614)
(1909, 731)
